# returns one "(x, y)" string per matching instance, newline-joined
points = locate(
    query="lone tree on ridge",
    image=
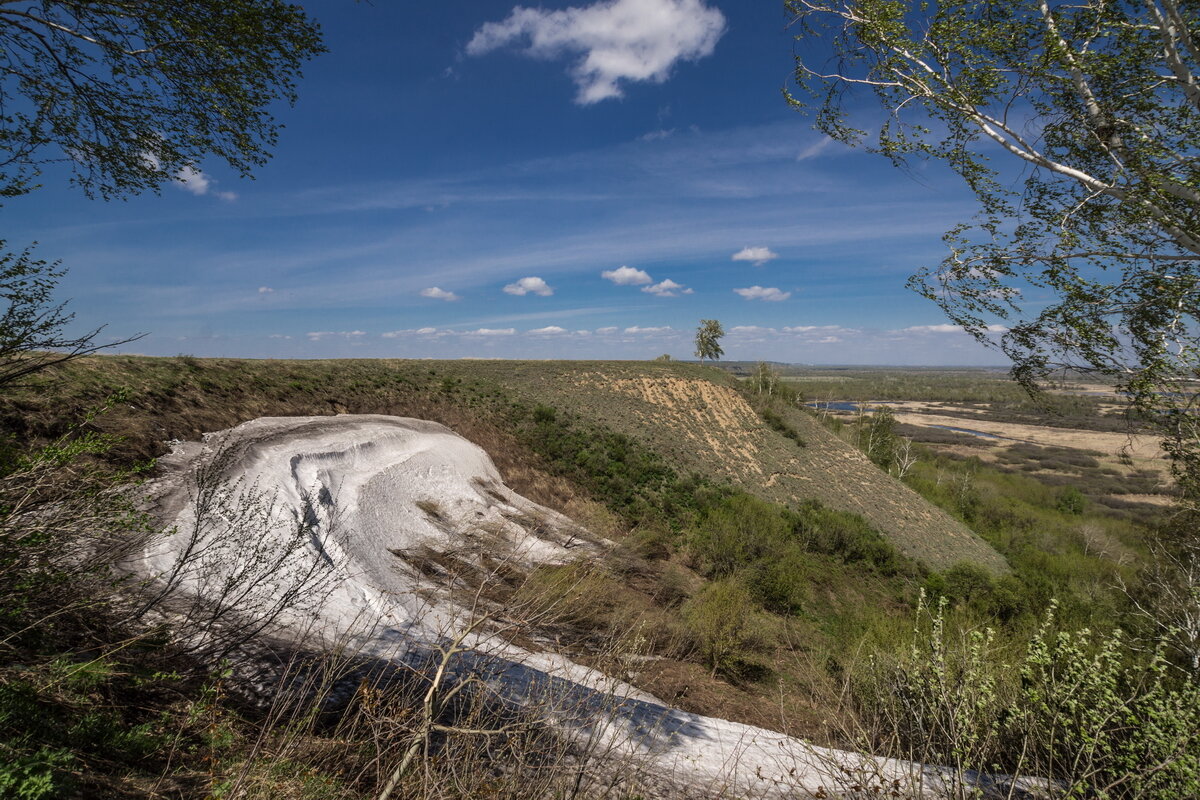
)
(708, 340)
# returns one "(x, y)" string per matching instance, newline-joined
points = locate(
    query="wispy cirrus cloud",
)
(613, 41)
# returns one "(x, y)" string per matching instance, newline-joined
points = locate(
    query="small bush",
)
(778, 424)
(1083, 711)
(721, 620)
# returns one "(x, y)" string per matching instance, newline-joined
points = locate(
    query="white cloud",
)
(636, 329)
(943, 328)
(199, 184)
(435, 293)
(667, 288)
(627, 276)
(317, 336)
(814, 149)
(615, 40)
(491, 332)
(654, 136)
(607, 330)
(531, 285)
(279, 336)
(751, 329)
(948, 328)
(756, 255)
(769, 294)
(414, 332)
(265, 290)
(549, 330)
(193, 180)
(821, 329)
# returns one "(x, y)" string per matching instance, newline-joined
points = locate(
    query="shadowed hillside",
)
(691, 416)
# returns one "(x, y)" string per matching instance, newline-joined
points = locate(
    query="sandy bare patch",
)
(1139, 448)
(1161, 500)
(709, 415)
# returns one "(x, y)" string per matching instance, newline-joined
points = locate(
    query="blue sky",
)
(560, 181)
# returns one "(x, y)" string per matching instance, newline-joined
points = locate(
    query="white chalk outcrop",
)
(359, 511)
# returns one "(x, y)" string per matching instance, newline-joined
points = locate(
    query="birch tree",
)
(1077, 127)
(128, 95)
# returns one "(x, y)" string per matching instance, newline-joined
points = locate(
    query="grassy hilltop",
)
(692, 417)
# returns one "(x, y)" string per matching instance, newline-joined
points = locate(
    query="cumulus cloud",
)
(607, 330)
(948, 328)
(530, 285)
(667, 288)
(612, 40)
(265, 290)
(769, 294)
(549, 330)
(199, 184)
(492, 332)
(317, 336)
(943, 328)
(636, 329)
(414, 332)
(435, 293)
(755, 255)
(627, 276)
(194, 180)
(750, 329)
(279, 336)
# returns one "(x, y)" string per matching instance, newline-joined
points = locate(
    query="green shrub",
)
(720, 618)
(1089, 713)
(737, 532)
(778, 424)
(1071, 501)
(782, 583)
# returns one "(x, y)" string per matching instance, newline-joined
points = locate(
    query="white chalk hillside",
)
(347, 508)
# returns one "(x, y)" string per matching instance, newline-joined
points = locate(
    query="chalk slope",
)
(347, 505)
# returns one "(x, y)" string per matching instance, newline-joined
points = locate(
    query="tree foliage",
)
(131, 95)
(708, 340)
(33, 328)
(1077, 126)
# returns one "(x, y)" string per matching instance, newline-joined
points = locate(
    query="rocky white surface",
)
(348, 506)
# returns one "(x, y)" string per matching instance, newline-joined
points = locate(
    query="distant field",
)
(1075, 434)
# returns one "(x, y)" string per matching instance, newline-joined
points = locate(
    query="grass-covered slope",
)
(690, 416)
